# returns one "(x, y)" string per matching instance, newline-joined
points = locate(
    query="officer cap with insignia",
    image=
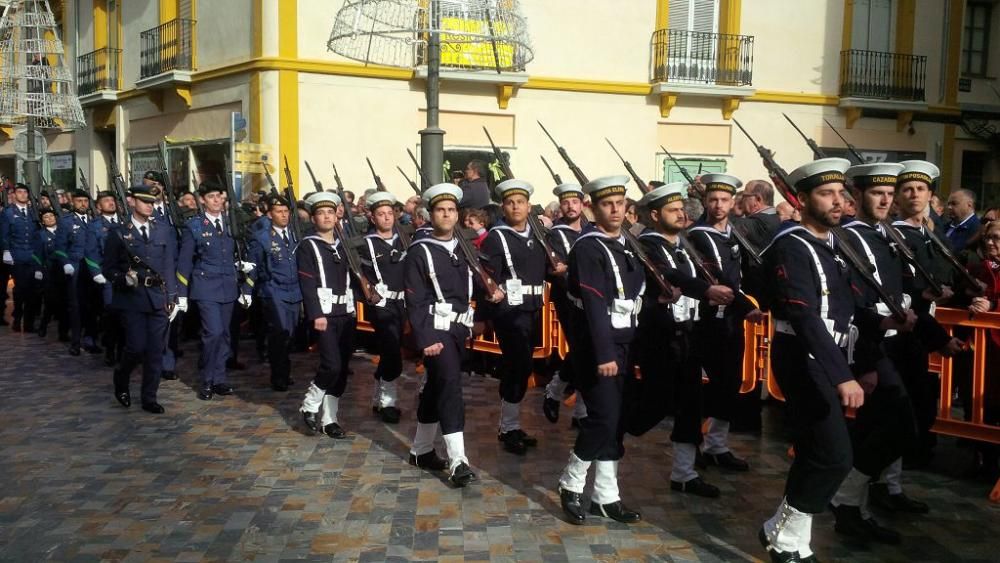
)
(819, 172)
(277, 200)
(142, 192)
(567, 191)
(320, 200)
(103, 194)
(442, 192)
(668, 193)
(864, 176)
(46, 211)
(513, 187)
(721, 183)
(377, 199)
(153, 175)
(600, 188)
(208, 187)
(918, 170)
(81, 193)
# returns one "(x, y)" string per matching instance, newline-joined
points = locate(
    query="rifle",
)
(293, 217)
(780, 179)
(120, 190)
(817, 152)
(378, 181)
(270, 180)
(555, 176)
(316, 183)
(172, 208)
(665, 287)
(850, 147)
(197, 199)
(412, 184)
(468, 252)
(348, 239)
(691, 181)
(233, 223)
(628, 168)
(423, 177)
(949, 257)
(537, 230)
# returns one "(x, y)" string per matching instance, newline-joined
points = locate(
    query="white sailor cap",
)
(442, 192)
(566, 191)
(667, 193)
(919, 170)
(819, 172)
(319, 200)
(721, 182)
(864, 176)
(514, 186)
(605, 186)
(376, 199)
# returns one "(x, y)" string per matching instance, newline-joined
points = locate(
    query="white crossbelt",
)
(464, 319)
(841, 338)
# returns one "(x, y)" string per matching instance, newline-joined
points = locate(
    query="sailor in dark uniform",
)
(813, 305)
(606, 282)
(276, 277)
(383, 252)
(719, 331)
(18, 225)
(328, 300)
(562, 236)
(439, 287)
(517, 262)
(139, 263)
(664, 348)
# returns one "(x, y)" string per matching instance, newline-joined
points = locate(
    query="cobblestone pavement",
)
(236, 479)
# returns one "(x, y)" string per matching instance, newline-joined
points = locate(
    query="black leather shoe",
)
(42, 331)
(529, 441)
(616, 511)
(74, 350)
(781, 556)
(512, 442)
(878, 494)
(312, 421)
(575, 423)
(572, 505)
(389, 415)
(849, 523)
(230, 364)
(222, 389)
(550, 407)
(154, 408)
(429, 461)
(93, 349)
(124, 398)
(169, 375)
(881, 534)
(334, 431)
(462, 475)
(696, 486)
(205, 394)
(727, 460)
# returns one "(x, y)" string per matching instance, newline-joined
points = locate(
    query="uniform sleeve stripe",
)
(92, 264)
(61, 254)
(182, 279)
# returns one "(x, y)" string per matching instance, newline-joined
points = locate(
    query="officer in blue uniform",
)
(139, 263)
(49, 274)
(112, 336)
(606, 282)
(328, 300)
(383, 252)
(17, 235)
(208, 273)
(276, 278)
(71, 241)
(818, 316)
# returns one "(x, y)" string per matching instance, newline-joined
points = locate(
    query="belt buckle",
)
(147, 282)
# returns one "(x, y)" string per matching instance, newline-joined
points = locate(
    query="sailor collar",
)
(830, 242)
(709, 229)
(390, 241)
(448, 246)
(596, 233)
(323, 241)
(525, 234)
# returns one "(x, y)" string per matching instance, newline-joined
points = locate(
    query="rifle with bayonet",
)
(293, 217)
(270, 179)
(378, 181)
(348, 241)
(172, 207)
(854, 152)
(233, 223)
(120, 190)
(555, 175)
(817, 152)
(402, 230)
(423, 177)
(692, 184)
(412, 184)
(537, 230)
(665, 286)
(780, 179)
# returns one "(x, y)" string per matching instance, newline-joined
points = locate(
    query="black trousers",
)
(25, 295)
(441, 397)
(907, 353)
(670, 382)
(884, 426)
(567, 371)
(280, 318)
(721, 356)
(335, 344)
(82, 315)
(515, 331)
(388, 323)
(4, 278)
(54, 299)
(823, 454)
(145, 340)
(602, 432)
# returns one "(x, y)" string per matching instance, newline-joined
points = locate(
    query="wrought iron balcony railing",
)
(167, 47)
(884, 76)
(98, 70)
(694, 57)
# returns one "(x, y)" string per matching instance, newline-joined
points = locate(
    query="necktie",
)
(284, 237)
(218, 226)
(145, 237)
(24, 211)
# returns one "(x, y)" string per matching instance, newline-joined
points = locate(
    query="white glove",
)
(100, 279)
(69, 269)
(246, 267)
(7, 258)
(131, 279)
(245, 300)
(173, 313)
(182, 304)
(38, 275)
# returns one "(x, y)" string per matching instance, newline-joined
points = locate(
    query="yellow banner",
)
(248, 157)
(463, 44)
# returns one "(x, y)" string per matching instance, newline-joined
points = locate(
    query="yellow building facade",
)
(225, 81)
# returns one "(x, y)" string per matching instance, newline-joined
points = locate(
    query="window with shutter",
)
(871, 26)
(693, 39)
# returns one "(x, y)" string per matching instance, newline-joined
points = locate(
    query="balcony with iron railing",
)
(98, 76)
(886, 78)
(679, 56)
(167, 48)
